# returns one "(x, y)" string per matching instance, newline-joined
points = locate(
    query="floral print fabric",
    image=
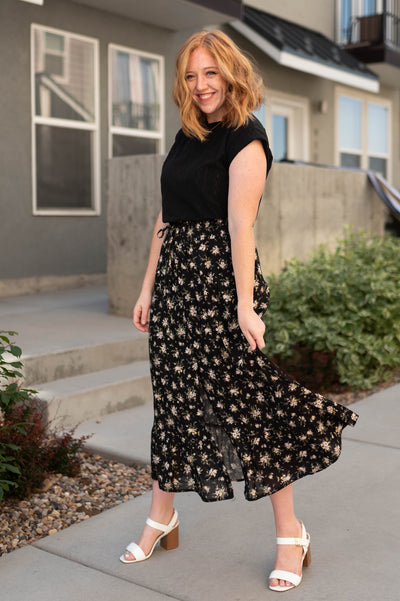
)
(221, 411)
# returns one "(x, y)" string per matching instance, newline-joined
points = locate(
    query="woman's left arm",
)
(246, 184)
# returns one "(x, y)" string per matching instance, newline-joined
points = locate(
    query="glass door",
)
(280, 124)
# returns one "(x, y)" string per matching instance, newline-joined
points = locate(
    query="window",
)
(364, 133)
(261, 114)
(65, 114)
(378, 143)
(136, 102)
(348, 12)
(345, 20)
(350, 131)
(280, 137)
(54, 56)
(369, 7)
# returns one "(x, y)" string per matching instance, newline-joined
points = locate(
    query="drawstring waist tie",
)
(161, 232)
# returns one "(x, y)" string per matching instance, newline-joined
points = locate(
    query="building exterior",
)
(321, 107)
(81, 81)
(87, 80)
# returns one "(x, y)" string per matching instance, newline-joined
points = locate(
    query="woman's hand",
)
(141, 312)
(252, 327)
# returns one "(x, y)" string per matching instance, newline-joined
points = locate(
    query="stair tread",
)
(93, 344)
(97, 379)
(64, 320)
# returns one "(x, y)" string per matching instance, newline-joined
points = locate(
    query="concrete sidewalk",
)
(227, 549)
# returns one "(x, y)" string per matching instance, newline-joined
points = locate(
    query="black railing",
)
(136, 115)
(377, 29)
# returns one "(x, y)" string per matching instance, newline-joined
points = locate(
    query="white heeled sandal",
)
(295, 579)
(169, 539)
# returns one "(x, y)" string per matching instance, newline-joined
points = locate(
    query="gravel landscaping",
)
(64, 501)
(102, 484)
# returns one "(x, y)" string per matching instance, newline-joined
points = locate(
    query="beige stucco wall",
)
(302, 208)
(315, 14)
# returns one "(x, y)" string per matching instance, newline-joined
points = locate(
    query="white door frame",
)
(296, 109)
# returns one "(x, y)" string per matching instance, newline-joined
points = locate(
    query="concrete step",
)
(83, 361)
(123, 436)
(65, 363)
(70, 401)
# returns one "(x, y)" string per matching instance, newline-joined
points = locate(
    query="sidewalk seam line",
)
(106, 573)
(375, 444)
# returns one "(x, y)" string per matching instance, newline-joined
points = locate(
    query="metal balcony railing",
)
(377, 29)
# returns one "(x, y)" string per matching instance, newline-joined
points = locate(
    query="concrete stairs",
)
(83, 362)
(68, 401)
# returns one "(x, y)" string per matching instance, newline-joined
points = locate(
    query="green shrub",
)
(7, 466)
(28, 451)
(32, 458)
(39, 452)
(64, 451)
(338, 313)
(10, 371)
(10, 394)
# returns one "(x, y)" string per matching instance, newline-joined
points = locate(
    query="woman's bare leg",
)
(161, 510)
(288, 557)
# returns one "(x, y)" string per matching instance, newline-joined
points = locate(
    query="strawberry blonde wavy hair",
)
(243, 85)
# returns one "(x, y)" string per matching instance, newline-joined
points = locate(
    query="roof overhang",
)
(306, 65)
(172, 14)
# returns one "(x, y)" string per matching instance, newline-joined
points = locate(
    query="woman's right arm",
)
(142, 307)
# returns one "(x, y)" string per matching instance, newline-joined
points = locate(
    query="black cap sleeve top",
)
(195, 175)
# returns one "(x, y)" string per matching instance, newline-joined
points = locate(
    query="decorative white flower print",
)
(221, 411)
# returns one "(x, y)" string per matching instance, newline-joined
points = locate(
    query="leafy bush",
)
(64, 452)
(10, 370)
(10, 394)
(28, 451)
(39, 452)
(6, 461)
(338, 313)
(32, 458)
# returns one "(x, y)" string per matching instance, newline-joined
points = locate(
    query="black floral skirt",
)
(221, 411)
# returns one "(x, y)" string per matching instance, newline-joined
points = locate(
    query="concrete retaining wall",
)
(302, 207)
(133, 205)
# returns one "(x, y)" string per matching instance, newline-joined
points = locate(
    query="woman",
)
(222, 410)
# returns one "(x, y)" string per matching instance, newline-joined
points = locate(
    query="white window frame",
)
(129, 131)
(365, 99)
(356, 11)
(297, 110)
(69, 124)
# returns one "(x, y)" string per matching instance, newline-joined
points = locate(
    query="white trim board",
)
(287, 59)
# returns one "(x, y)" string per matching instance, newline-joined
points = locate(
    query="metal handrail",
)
(389, 195)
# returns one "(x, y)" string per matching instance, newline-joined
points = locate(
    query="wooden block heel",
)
(171, 541)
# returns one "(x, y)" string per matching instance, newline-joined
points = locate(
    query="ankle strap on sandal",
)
(163, 527)
(299, 542)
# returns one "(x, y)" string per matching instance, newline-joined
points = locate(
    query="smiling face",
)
(206, 85)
